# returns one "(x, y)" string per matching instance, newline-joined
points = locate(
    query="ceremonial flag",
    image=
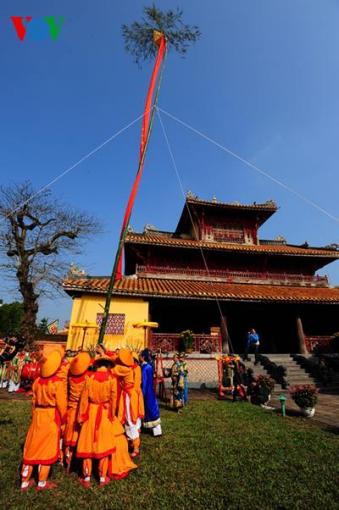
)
(53, 327)
(160, 40)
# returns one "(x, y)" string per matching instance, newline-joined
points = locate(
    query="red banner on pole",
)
(161, 42)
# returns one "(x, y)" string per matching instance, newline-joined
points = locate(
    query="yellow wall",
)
(85, 309)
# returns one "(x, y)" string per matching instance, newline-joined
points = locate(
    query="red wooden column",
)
(226, 340)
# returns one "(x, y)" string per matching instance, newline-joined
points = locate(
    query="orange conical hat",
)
(80, 363)
(50, 363)
(121, 370)
(125, 357)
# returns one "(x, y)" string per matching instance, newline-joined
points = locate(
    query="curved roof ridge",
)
(191, 289)
(273, 249)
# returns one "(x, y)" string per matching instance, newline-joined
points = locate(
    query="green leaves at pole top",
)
(138, 36)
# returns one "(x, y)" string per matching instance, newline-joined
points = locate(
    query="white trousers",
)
(132, 429)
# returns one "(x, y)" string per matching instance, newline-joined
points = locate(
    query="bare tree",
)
(37, 235)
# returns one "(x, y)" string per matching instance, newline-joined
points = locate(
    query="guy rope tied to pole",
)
(147, 123)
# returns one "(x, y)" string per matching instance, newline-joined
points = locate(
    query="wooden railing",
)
(170, 342)
(317, 341)
(234, 276)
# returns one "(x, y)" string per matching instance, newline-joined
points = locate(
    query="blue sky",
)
(263, 81)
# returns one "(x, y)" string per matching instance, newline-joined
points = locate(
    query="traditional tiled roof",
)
(270, 205)
(278, 249)
(261, 212)
(188, 289)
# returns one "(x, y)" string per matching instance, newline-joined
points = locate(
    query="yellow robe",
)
(129, 384)
(121, 463)
(42, 445)
(62, 373)
(75, 387)
(137, 386)
(97, 416)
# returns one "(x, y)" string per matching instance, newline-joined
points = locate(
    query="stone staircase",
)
(295, 374)
(258, 369)
(327, 409)
(332, 384)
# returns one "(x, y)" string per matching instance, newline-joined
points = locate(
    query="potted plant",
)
(305, 396)
(186, 341)
(260, 391)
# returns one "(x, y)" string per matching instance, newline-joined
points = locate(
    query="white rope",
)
(175, 167)
(69, 169)
(253, 166)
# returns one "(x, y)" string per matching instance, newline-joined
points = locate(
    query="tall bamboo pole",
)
(125, 230)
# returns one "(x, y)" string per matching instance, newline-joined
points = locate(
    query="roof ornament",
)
(281, 239)
(214, 199)
(74, 271)
(130, 229)
(190, 194)
(270, 203)
(332, 246)
(150, 228)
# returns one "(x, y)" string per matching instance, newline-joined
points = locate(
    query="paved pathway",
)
(326, 411)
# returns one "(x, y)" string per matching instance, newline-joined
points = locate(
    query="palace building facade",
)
(214, 276)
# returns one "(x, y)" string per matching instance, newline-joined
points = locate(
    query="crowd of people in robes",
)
(18, 372)
(90, 410)
(235, 379)
(12, 361)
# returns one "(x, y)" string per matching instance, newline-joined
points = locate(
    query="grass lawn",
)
(214, 455)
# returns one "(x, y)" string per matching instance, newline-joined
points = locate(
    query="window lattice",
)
(115, 323)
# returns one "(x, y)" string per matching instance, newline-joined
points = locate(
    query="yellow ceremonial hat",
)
(126, 358)
(80, 363)
(121, 370)
(50, 363)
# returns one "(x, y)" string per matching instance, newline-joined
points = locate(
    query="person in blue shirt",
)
(253, 343)
(152, 414)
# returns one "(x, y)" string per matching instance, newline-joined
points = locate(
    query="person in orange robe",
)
(130, 410)
(141, 407)
(42, 445)
(101, 433)
(62, 373)
(76, 382)
(121, 463)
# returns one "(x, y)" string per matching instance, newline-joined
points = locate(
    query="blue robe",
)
(152, 413)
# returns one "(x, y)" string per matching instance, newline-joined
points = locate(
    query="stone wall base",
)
(202, 370)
